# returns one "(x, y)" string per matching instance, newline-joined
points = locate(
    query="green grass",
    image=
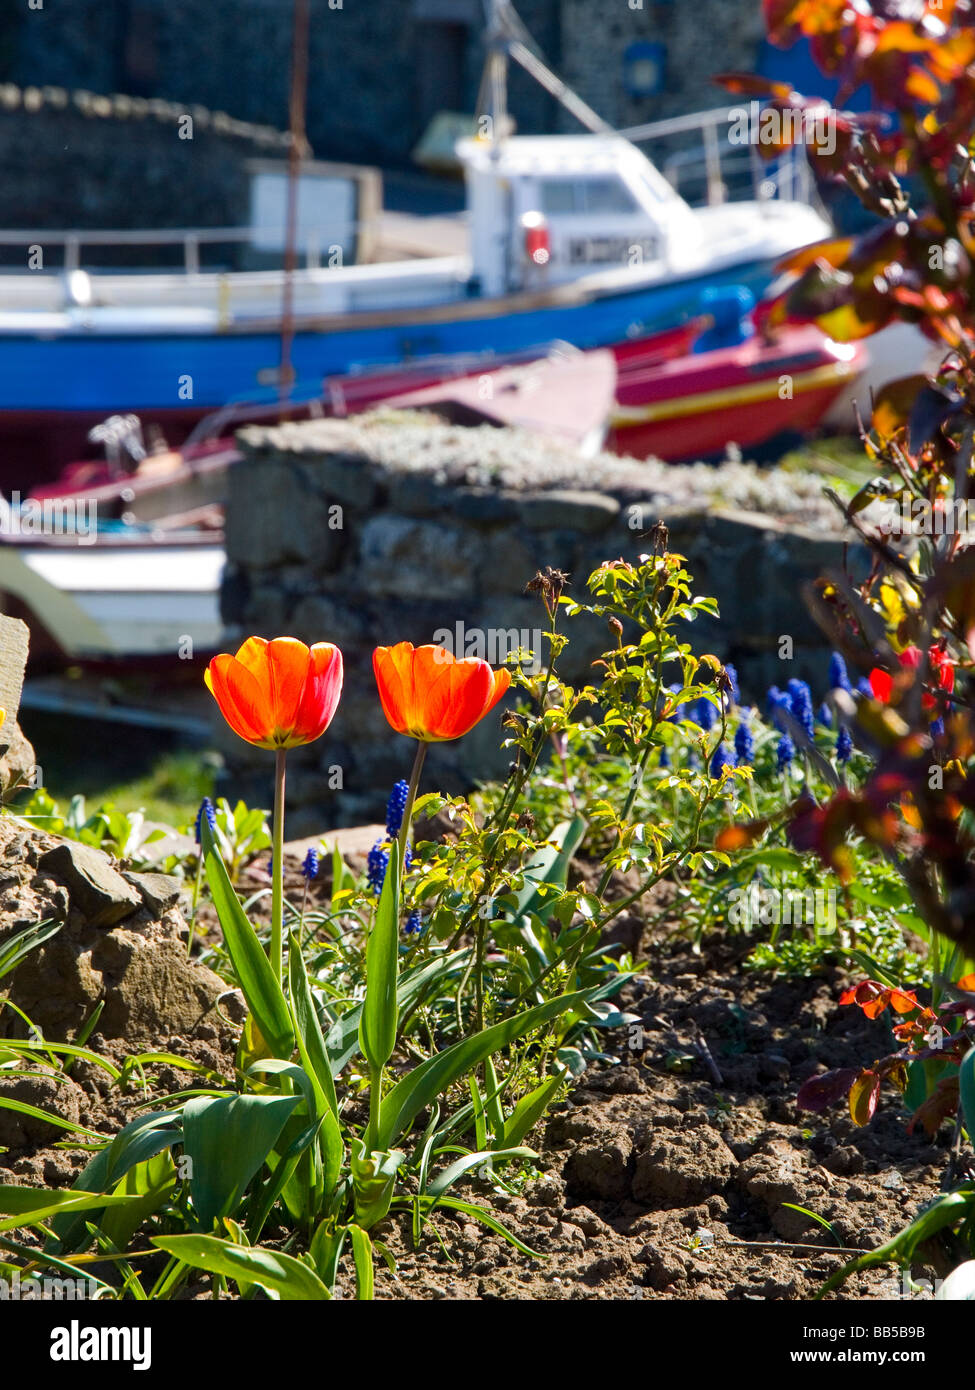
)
(135, 769)
(838, 459)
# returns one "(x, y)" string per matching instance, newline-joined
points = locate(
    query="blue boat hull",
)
(191, 374)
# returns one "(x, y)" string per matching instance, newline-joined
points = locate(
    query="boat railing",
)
(318, 241)
(713, 169)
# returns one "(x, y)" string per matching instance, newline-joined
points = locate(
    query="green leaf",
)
(943, 1212)
(421, 1086)
(814, 1216)
(550, 864)
(139, 1141)
(380, 1015)
(147, 1186)
(227, 1142)
(445, 1180)
(26, 1205)
(362, 1257)
(491, 1222)
(14, 949)
(966, 1085)
(342, 1040)
(531, 1108)
(311, 1043)
(71, 1126)
(261, 988)
(280, 1275)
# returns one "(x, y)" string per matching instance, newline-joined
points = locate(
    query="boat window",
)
(607, 195)
(558, 196)
(580, 197)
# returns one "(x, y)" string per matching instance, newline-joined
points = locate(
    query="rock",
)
(483, 505)
(95, 889)
(149, 986)
(565, 509)
(292, 523)
(417, 559)
(664, 1266)
(57, 1094)
(17, 761)
(159, 892)
(129, 954)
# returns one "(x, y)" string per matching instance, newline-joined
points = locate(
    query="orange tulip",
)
(277, 694)
(432, 695)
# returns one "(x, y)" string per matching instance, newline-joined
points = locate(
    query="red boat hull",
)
(694, 407)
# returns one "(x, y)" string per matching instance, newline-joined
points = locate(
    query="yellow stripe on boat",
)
(627, 415)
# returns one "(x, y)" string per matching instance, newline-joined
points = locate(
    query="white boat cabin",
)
(543, 211)
(580, 203)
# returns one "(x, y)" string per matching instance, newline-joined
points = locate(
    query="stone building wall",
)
(701, 39)
(371, 87)
(76, 159)
(394, 528)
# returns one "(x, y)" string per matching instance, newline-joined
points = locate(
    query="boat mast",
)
(297, 151)
(507, 38)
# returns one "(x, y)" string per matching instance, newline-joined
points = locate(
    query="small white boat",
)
(129, 597)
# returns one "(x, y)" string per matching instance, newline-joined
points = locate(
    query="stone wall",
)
(396, 528)
(701, 39)
(235, 55)
(73, 159)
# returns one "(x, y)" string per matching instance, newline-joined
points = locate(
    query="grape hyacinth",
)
(865, 688)
(680, 711)
(784, 753)
(735, 692)
(412, 926)
(395, 807)
(704, 714)
(838, 677)
(206, 812)
(778, 699)
(309, 867)
(376, 865)
(824, 715)
(720, 759)
(744, 745)
(844, 745)
(800, 705)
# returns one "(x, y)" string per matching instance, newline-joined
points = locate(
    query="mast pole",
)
(297, 150)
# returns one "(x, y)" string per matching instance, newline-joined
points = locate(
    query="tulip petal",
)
(470, 687)
(288, 663)
(882, 685)
(320, 695)
(242, 701)
(393, 669)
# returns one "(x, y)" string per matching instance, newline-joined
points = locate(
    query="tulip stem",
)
(404, 830)
(277, 868)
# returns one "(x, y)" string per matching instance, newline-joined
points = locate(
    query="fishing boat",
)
(571, 237)
(741, 385)
(121, 596)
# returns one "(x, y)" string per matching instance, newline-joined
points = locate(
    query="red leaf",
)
(820, 1092)
(864, 1095)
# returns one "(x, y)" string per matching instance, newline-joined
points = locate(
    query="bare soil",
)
(665, 1174)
